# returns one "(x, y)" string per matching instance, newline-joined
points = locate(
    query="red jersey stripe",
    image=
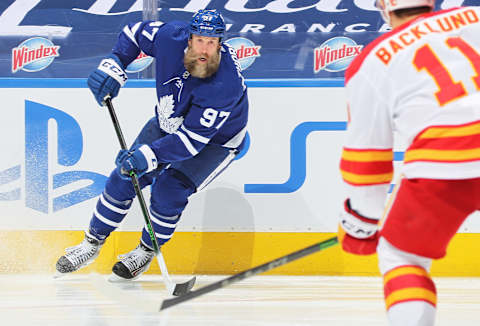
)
(408, 281)
(366, 167)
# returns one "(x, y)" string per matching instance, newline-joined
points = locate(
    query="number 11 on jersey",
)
(449, 90)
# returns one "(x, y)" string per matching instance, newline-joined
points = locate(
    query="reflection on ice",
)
(90, 300)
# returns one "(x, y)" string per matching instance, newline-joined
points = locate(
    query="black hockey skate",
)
(132, 264)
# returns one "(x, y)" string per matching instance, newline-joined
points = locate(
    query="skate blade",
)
(58, 275)
(114, 278)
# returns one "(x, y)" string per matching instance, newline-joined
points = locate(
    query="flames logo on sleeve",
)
(335, 54)
(34, 54)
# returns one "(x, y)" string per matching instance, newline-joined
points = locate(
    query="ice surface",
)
(90, 300)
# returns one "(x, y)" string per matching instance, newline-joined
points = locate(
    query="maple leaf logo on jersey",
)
(164, 111)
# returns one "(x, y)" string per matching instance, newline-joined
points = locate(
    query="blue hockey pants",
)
(171, 186)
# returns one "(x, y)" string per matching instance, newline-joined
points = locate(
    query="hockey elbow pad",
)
(107, 79)
(357, 234)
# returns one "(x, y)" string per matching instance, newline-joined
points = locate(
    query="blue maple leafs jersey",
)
(193, 111)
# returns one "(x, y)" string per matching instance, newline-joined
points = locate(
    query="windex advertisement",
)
(273, 39)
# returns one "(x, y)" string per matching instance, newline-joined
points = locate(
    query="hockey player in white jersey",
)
(417, 86)
(198, 129)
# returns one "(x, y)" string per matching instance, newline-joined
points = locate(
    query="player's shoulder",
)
(229, 58)
(368, 51)
(229, 74)
(175, 25)
(174, 30)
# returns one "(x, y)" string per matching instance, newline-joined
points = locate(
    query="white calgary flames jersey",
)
(419, 86)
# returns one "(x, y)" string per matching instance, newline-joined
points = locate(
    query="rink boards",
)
(283, 194)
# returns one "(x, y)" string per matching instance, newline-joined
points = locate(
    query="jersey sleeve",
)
(367, 158)
(148, 37)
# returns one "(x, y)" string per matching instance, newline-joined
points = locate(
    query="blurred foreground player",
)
(198, 129)
(417, 86)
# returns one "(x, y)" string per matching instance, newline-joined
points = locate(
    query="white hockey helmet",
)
(387, 6)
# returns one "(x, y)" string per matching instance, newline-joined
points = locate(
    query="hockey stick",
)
(250, 272)
(172, 288)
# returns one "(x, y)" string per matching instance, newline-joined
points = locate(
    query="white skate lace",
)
(136, 258)
(79, 254)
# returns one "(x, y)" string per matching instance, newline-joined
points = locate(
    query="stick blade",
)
(183, 288)
(168, 303)
(165, 304)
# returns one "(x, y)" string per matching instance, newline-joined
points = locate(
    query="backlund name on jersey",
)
(408, 37)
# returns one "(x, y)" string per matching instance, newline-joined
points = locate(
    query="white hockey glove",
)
(357, 234)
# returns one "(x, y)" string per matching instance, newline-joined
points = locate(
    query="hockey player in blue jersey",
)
(198, 129)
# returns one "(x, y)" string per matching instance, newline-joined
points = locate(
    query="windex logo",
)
(246, 51)
(335, 54)
(34, 54)
(140, 63)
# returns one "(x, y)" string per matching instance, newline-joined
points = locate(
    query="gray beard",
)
(201, 71)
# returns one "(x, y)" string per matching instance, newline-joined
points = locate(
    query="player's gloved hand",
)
(357, 234)
(140, 160)
(107, 78)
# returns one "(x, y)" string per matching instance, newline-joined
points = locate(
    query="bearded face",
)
(203, 56)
